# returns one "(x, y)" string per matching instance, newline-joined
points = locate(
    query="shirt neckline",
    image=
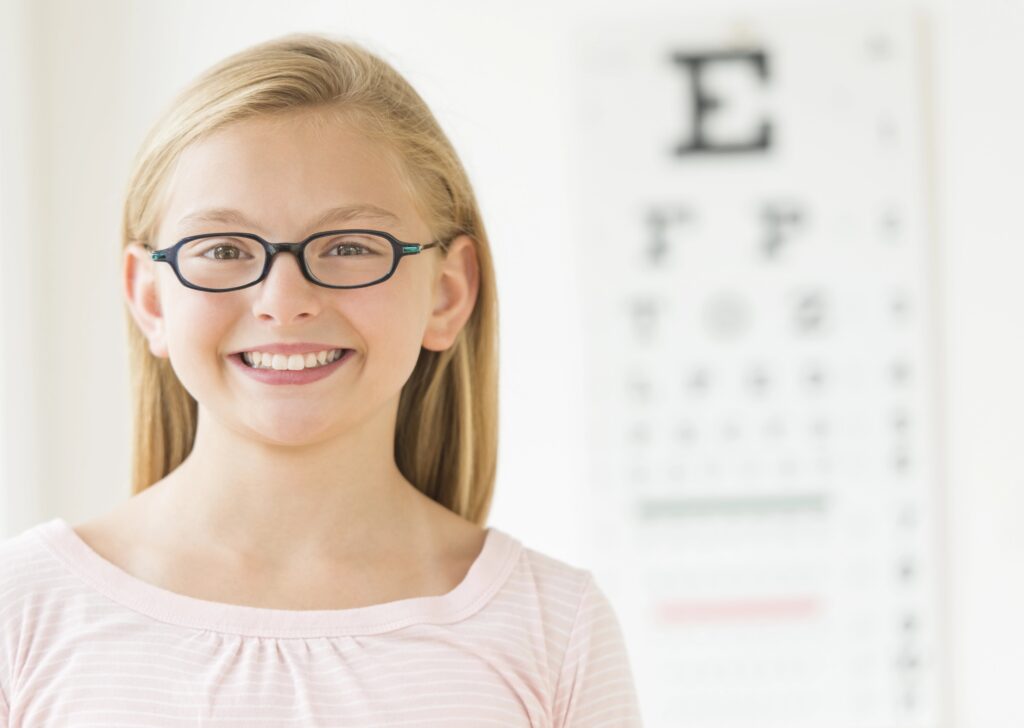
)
(486, 575)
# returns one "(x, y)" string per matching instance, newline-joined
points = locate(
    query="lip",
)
(306, 376)
(301, 347)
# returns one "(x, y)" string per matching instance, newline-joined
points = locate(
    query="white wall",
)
(983, 109)
(21, 197)
(81, 88)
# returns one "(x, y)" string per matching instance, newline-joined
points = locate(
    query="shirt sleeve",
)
(595, 684)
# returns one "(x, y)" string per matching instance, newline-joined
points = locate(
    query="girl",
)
(315, 443)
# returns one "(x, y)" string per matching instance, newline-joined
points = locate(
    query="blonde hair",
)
(446, 431)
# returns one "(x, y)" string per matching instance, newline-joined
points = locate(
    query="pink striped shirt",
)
(523, 640)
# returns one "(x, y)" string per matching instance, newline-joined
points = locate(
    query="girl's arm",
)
(595, 685)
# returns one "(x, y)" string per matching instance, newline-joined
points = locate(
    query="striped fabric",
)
(523, 640)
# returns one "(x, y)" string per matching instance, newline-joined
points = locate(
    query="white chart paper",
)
(752, 206)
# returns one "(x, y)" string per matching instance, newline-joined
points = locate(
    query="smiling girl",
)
(315, 443)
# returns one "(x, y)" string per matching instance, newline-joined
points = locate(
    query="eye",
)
(220, 249)
(224, 252)
(348, 246)
(351, 249)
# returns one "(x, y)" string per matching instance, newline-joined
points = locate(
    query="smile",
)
(301, 375)
(293, 362)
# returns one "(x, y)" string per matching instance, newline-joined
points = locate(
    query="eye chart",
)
(752, 198)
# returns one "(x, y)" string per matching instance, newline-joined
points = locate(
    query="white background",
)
(80, 82)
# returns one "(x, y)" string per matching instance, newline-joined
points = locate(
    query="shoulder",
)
(552, 593)
(29, 586)
(25, 562)
(590, 664)
(39, 586)
(576, 608)
(31, 576)
(559, 583)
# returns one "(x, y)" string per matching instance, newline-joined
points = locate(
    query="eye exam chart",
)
(753, 206)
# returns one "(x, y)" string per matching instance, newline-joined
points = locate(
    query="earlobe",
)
(142, 295)
(455, 294)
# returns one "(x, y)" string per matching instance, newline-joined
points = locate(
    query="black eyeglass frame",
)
(400, 248)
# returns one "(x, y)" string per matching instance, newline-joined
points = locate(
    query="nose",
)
(289, 255)
(285, 264)
(285, 294)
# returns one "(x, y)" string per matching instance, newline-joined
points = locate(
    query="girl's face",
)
(281, 175)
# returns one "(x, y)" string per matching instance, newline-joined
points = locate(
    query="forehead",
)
(282, 173)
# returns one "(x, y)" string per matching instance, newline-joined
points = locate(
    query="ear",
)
(455, 291)
(142, 293)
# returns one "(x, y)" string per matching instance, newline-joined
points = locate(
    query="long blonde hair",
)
(446, 431)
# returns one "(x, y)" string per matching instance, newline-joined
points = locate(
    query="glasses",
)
(220, 262)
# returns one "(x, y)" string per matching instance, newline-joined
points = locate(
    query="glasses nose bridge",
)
(294, 248)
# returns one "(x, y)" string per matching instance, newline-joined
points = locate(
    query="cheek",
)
(196, 329)
(391, 323)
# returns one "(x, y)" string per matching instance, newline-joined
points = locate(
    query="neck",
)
(245, 498)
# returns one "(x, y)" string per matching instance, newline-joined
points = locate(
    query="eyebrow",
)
(342, 213)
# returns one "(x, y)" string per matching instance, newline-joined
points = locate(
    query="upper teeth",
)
(295, 362)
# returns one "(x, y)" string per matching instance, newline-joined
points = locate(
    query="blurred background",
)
(759, 274)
